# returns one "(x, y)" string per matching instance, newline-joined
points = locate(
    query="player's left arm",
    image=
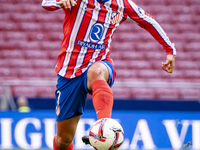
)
(52, 5)
(146, 21)
(168, 66)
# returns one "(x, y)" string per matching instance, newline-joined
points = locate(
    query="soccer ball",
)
(106, 134)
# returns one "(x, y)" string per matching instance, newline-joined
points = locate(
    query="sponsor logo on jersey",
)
(91, 45)
(96, 32)
(88, 8)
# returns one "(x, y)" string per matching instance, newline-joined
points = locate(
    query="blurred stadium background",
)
(30, 40)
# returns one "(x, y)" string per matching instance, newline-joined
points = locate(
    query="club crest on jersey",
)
(115, 17)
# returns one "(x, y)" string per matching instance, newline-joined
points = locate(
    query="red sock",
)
(102, 98)
(55, 147)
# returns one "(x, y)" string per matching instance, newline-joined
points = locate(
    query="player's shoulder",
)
(129, 3)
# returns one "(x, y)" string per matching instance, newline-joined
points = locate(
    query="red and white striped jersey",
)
(88, 30)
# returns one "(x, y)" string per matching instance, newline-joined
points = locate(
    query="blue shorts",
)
(71, 93)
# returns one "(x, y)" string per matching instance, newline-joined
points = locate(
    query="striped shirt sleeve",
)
(146, 21)
(50, 5)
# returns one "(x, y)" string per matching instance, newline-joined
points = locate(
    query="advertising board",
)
(143, 129)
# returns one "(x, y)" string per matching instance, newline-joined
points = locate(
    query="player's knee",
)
(95, 72)
(98, 71)
(64, 142)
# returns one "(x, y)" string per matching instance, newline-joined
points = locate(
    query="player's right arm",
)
(50, 5)
(66, 3)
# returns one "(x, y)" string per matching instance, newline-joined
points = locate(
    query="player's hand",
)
(168, 66)
(66, 3)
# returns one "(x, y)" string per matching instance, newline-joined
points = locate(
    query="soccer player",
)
(84, 64)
